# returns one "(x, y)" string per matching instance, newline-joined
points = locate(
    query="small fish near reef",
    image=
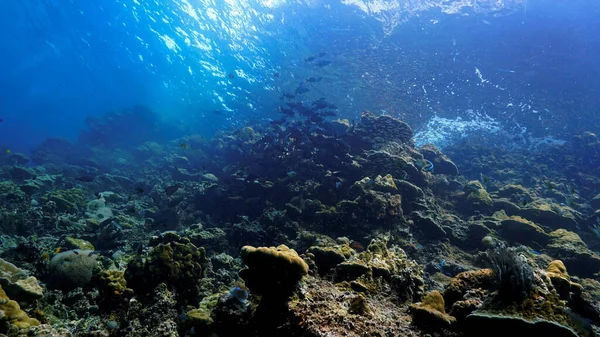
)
(239, 294)
(184, 146)
(424, 164)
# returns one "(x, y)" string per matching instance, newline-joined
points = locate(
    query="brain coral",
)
(72, 269)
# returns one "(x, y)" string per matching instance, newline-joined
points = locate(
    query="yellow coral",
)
(430, 313)
(11, 311)
(281, 255)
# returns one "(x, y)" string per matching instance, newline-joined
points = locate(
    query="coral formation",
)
(272, 272)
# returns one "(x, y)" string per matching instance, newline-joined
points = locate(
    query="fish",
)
(323, 63)
(285, 111)
(292, 174)
(184, 146)
(218, 112)
(319, 104)
(549, 185)
(301, 90)
(321, 54)
(231, 75)
(310, 59)
(314, 79)
(505, 70)
(7, 151)
(1, 120)
(276, 75)
(139, 189)
(356, 245)
(239, 293)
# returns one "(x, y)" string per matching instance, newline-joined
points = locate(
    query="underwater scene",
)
(300, 168)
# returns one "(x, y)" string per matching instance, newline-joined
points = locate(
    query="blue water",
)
(451, 69)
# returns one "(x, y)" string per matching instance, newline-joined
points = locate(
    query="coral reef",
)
(346, 229)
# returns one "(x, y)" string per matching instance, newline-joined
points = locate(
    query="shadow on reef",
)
(308, 226)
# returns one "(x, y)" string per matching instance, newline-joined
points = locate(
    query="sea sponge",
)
(72, 269)
(273, 272)
(430, 313)
(11, 311)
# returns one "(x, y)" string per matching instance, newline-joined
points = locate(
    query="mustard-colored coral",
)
(273, 272)
(280, 256)
(11, 311)
(430, 313)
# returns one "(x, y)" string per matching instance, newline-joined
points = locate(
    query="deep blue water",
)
(453, 69)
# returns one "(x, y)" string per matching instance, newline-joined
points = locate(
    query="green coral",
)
(11, 312)
(477, 196)
(380, 267)
(70, 201)
(174, 261)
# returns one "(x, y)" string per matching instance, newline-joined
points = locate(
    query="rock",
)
(350, 271)
(595, 203)
(21, 173)
(516, 194)
(507, 206)
(568, 247)
(429, 228)
(326, 258)
(339, 127)
(111, 197)
(18, 159)
(477, 231)
(553, 216)
(524, 231)
(182, 174)
(30, 187)
(211, 178)
(385, 127)
(485, 324)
